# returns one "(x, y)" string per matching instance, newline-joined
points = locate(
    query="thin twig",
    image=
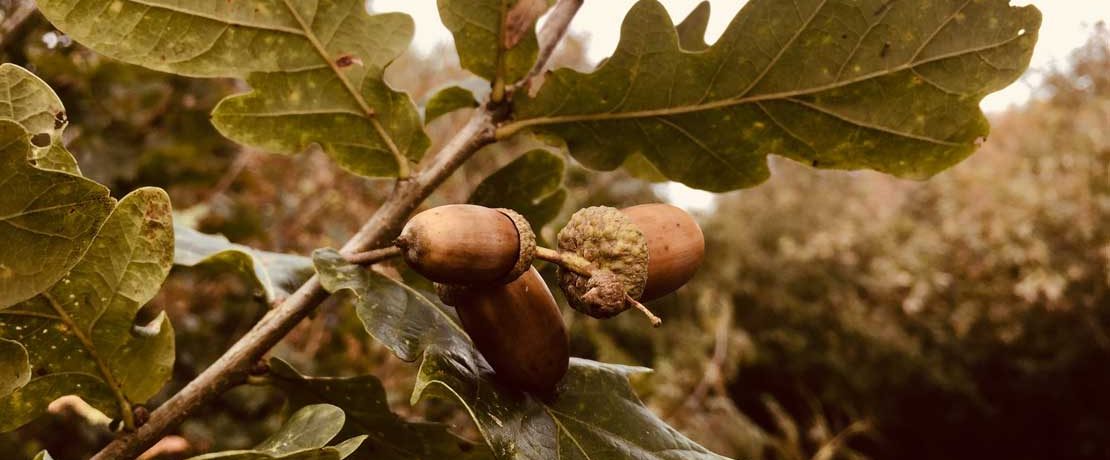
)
(234, 366)
(373, 256)
(17, 15)
(549, 38)
(242, 159)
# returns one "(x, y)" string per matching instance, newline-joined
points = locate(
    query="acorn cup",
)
(518, 329)
(465, 244)
(612, 259)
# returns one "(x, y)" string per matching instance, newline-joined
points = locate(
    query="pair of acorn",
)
(610, 260)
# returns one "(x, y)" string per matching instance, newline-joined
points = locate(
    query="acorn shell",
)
(518, 329)
(610, 241)
(467, 244)
(675, 244)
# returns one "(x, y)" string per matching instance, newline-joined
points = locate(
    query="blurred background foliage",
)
(838, 315)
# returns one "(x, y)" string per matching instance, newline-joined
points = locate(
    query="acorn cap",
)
(527, 252)
(618, 251)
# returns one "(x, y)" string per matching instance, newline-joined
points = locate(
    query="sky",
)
(1067, 25)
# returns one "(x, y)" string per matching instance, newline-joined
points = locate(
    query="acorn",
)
(518, 329)
(465, 244)
(675, 243)
(634, 254)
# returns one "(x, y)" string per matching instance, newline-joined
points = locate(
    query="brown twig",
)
(20, 11)
(552, 33)
(233, 367)
(373, 256)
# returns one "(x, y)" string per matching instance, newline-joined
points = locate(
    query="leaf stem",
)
(235, 364)
(497, 94)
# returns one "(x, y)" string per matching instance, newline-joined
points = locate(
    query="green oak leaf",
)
(47, 219)
(80, 334)
(15, 366)
(691, 31)
(29, 101)
(532, 185)
(399, 317)
(594, 415)
(303, 437)
(363, 399)
(844, 84)
(315, 68)
(448, 100)
(274, 273)
(479, 28)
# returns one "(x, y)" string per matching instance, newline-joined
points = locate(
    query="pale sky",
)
(1067, 25)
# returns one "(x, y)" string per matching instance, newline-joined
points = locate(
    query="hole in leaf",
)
(40, 140)
(1021, 32)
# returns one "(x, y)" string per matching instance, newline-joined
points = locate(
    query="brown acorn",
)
(639, 253)
(464, 244)
(518, 329)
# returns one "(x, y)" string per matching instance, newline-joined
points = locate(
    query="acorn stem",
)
(567, 260)
(373, 256)
(581, 266)
(655, 320)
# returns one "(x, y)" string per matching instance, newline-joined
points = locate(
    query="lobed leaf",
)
(315, 69)
(484, 40)
(47, 218)
(594, 415)
(363, 399)
(303, 437)
(691, 31)
(845, 84)
(532, 185)
(275, 273)
(80, 335)
(448, 100)
(401, 318)
(30, 102)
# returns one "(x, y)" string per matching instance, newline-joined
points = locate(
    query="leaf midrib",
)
(402, 161)
(90, 348)
(509, 129)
